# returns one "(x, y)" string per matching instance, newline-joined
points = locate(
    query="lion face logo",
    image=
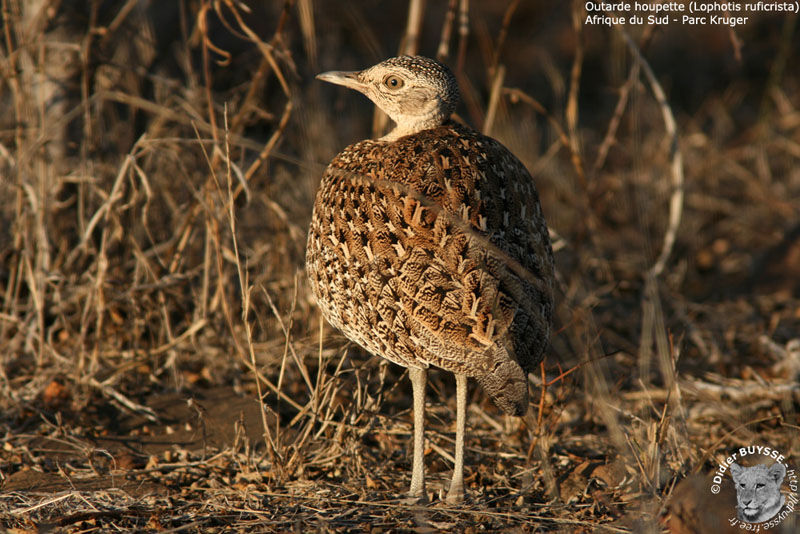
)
(758, 491)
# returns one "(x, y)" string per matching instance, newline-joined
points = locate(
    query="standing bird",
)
(428, 247)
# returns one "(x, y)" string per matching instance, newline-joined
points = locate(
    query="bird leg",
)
(419, 378)
(456, 493)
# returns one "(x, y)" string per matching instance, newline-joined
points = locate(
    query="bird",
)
(428, 247)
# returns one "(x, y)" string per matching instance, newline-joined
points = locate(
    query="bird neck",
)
(409, 125)
(431, 114)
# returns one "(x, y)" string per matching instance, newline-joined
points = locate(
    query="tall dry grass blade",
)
(624, 93)
(301, 366)
(494, 98)
(675, 156)
(653, 325)
(571, 116)
(246, 292)
(501, 37)
(305, 10)
(206, 48)
(443, 50)
(463, 35)
(409, 46)
(571, 112)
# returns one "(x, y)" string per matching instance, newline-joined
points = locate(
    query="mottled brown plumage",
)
(428, 246)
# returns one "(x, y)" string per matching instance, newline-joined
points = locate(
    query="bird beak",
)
(345, 78)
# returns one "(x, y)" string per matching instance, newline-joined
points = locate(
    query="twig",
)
(613, 124)
(518, 95)
(134, 407)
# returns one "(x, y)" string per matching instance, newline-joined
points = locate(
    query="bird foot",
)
(410, 500)
(455, 495)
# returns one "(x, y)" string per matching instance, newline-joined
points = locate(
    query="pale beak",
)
(341, 77)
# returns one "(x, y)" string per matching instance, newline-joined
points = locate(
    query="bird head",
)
(416, 92)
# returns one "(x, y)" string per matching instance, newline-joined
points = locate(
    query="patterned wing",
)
(444, 261)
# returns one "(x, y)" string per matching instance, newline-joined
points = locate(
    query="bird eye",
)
(393, 82)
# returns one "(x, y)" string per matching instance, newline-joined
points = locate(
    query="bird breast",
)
(433, 250)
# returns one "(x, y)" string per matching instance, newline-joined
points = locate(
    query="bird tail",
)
(506, 383)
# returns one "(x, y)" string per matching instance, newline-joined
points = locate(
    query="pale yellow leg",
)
(419, 378)
(456, 493)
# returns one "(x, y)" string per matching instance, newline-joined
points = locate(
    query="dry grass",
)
(158, 168)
